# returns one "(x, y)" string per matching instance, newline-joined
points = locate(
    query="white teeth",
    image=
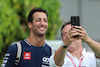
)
(42, 28)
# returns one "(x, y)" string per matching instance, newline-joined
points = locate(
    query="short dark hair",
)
(36, 9)
(64, 24)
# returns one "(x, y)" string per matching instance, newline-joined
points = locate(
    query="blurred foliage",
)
(13, 20)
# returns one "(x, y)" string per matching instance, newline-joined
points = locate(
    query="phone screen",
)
(75, 20)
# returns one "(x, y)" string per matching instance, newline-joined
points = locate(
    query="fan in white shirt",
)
(71, 53)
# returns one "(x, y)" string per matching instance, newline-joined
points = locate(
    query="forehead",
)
(39, 15)
(66, 28)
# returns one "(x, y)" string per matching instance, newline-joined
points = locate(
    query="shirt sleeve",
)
(10, 56)
(52, 62)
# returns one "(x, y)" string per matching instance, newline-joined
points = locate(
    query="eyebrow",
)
(64, 33)
(40, 18)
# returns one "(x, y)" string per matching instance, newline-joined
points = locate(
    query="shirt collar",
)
(83, 52)
(30, 44)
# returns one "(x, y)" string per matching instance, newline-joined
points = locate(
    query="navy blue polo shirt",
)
(30, 57)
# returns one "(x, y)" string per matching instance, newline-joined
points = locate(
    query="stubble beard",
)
(40, 34)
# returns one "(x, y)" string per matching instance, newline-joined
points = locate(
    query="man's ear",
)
(62, 38)
(29, 24)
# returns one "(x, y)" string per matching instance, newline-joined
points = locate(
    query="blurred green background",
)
(13, 20)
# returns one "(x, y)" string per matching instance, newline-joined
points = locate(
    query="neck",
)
(36, 41)
(77, 53)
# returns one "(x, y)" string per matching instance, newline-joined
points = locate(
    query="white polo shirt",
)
(87, 60)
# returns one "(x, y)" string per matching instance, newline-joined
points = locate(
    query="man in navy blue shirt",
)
(35, 52)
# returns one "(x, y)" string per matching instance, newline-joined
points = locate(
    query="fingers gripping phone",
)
(75, 21)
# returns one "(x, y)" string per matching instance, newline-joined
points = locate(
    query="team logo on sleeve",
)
(27, 56)
(45, 62)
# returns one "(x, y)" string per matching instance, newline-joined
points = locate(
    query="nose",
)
(42, 22)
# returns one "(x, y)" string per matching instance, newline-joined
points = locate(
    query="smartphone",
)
(75, 20)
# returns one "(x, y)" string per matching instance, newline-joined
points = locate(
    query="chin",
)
(42, 34)
(71, 47)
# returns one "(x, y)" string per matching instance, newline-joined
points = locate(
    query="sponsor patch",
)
(27, 56)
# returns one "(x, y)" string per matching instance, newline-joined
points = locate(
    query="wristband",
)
(63, 46)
